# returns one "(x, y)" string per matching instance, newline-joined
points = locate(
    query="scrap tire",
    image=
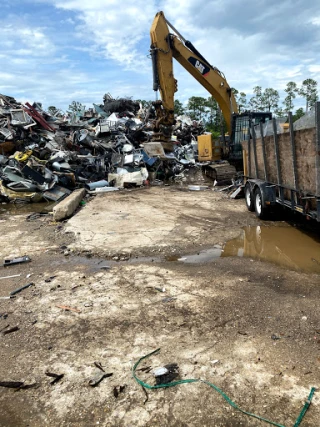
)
(262, 211)
(248, 194)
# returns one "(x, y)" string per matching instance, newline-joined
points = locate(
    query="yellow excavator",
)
(165, 45)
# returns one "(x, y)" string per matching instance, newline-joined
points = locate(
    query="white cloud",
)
(24, 40)
(315, 21)
(314, 68)
(114, 28)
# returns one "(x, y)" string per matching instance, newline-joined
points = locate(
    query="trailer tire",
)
(262, 211)
(249, 197)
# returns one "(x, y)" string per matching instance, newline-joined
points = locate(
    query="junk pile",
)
(45, 156)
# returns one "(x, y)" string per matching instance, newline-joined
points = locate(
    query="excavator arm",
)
(164, 47)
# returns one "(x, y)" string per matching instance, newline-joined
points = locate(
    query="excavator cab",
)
(241, 131)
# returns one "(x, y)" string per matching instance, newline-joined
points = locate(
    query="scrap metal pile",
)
(46, 156)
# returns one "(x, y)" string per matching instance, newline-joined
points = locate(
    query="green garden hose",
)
(231, 403)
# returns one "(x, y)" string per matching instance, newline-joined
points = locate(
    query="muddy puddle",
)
(25, 208)
(285, 246)
(95, 264)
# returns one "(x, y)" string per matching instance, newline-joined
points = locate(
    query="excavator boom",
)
(164, 47)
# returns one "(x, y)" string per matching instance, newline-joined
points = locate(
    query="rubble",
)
(45, 156)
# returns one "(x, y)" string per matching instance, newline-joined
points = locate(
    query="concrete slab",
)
(137, 221)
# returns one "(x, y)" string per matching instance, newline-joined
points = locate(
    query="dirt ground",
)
(249, 327)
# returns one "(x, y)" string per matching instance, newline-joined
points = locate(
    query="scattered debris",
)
(57, 377)
(11, 384)
(168, 299)
(49, 279)
(9, 331)
(98, 378)
(198, 187)
(27, 386)
(14, 261)
(16, 291)
(18, 385)
(118, 389)
(67, 308)
(275, 337)
(236, 189)
(34, 216)
(146, 369)
(1, 330)
(10, 277)
(166, 374)
(99, 366)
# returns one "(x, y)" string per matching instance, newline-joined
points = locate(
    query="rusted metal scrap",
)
(18, 385)
(98, 378)
(9, 331)
(16, 291)
(57, 377)
(11, 384)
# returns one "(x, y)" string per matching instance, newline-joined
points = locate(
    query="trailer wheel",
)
(262, 211)
(249, 197)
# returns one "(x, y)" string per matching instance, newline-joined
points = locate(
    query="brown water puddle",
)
(25, 208)
(285, 246)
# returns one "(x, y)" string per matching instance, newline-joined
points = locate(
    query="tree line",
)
(269, 99)
(207, 109)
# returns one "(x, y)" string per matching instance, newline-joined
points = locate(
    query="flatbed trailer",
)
(283, 169)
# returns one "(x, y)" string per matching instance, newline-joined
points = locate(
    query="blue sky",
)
(57, 51)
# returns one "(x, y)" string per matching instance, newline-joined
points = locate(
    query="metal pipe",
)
(254, 142)
(264, 153)
(97, 184)
(277, 154)
(276, 148)
(176, 31)
(249, 156)
(293, 151)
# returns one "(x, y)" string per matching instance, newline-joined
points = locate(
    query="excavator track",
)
(223, 173)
